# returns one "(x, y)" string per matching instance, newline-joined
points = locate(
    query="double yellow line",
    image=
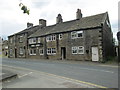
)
(78, 81)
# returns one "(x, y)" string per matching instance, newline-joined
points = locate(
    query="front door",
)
(15, 53)
(95, 56)
(63, 53)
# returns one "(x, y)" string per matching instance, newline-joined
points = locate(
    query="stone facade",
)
(5, 48)
(85, 38)
(18, 45)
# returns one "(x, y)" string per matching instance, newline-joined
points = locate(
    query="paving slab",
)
(5, 75)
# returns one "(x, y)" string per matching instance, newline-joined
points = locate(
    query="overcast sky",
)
(12, 19)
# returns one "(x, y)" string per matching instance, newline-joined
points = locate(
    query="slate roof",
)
(83, 23)
(34, 28)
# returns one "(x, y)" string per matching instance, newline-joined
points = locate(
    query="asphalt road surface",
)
(85, 72)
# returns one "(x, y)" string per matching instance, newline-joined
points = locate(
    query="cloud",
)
(13, 19)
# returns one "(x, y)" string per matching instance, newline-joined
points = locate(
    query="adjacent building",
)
(84, 38)
(17, 43)
(5, 47)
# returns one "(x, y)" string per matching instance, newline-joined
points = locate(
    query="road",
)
(88, 72)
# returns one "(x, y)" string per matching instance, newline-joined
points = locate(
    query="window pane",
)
(80, 50)
(74, 50)
(79, 33)
(41, 51)
(38, 40)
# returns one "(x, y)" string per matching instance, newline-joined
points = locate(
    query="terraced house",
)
(84, 38)
(17, 43)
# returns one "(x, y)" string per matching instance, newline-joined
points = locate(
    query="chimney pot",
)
(78, 14)
(42, 23)
(29, 25)
(59, 19)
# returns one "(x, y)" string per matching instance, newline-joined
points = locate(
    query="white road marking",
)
(110, 66)
(98, 70)
(25, 75)
(88, 83)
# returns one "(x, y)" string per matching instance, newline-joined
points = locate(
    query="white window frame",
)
(39, 40)
(51, 51)
(21, 51)
(80, 48)
(41, 51)
(74, 48)
(60, 36)
(79, 32)
(21, 38)
(32, 50)
(75, 34)
(32, 41)
(51, 38)
(48, 51)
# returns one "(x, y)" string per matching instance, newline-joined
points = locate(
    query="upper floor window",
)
(60, 36)
(11, 40)
(51, 38)
(78, 50)
(21, 38)
(21, 50)
(32, 41)
(39, 40)
(76, 34)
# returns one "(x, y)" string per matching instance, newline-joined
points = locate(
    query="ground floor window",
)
(41, 51)
(51, 51)
(11, 50)
(78, 50)
(74, 50)
(32, 51)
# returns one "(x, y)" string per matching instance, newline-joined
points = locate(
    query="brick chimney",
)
(42, 23)
(59, 19)
(78, 14)
(29, 25)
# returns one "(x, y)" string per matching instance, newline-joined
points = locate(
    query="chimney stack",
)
(29, 25)
(78, 14)
(59, 19)
(42, 23)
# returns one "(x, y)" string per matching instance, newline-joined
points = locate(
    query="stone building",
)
(5, 48)
(17, 43)
(84, 38)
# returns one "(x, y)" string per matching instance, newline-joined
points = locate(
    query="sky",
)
(12, 19)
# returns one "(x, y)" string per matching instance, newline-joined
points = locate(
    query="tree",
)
(24, 8)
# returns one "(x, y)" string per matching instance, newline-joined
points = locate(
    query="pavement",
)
(35, 79)
(61, 74)
(6, 75)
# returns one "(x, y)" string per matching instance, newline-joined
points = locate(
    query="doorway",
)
(63, 53)
(15, 53)
(95, 56)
